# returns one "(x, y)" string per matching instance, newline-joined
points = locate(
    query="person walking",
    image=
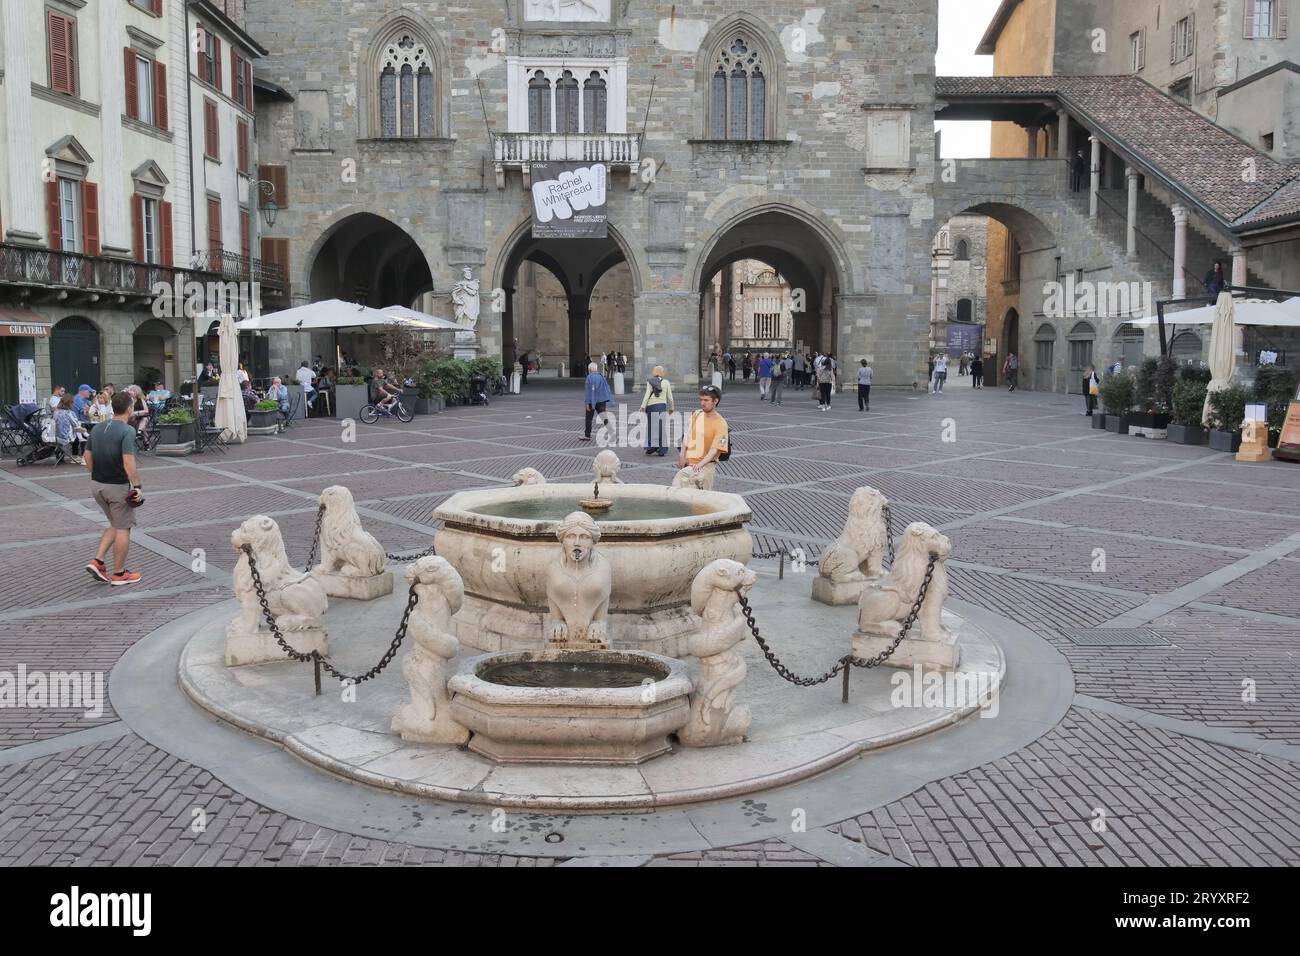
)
(778, 381)
(764, 375)
(825, 384)
(961, 365)
(657, 405)
(597, 396)
(1215, 282)
(800, 367)
(115, 486)
(865, 375)
(977, 372)
(707, 437)
(746, 366)
(940, 373)
(731, 367)
(1078, 169)
(1011, 369)
(1091, 389)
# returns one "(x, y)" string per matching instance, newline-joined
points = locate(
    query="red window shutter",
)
(155, 7)
(165, 231)
(216, 62)
(201, 51)
(58, 34)
(52, 214)
(137, 228)
(211, 141)
(234, 75)
(241, 130)
(279, 178)
(90, 217)
(132, 88)
(248, 74)
(214, 231)
(245, 234)
(160, 95)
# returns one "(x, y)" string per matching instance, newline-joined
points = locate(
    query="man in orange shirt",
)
(707, 437)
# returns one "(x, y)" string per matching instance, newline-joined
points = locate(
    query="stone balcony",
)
(520, 150)
(35, 274)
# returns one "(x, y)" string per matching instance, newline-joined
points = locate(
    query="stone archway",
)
(75, 354)
(153, 346)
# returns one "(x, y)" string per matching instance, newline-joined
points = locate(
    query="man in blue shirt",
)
(280, 392)
(764, 376)
(81, 404)
(597, 396)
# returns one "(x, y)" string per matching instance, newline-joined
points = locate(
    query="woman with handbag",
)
(1091, 389)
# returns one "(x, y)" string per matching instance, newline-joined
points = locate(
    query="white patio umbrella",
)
(1222, 350)
(230, 403)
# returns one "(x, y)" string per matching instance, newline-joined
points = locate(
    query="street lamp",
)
(269, 205)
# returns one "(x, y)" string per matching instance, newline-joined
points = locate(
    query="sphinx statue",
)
(886, 604)
(578, 587)
(857, 556)
(426, 718)
(295, 598)
(527, 476)
(352, 562)
(716, 718)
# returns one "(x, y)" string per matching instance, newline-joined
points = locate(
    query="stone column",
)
(1131, 175)
(1062, 135)
(579, 325)
(667, 325)
(1031, 142)
(1239, 276)
(1095, 186)
(1180, 252)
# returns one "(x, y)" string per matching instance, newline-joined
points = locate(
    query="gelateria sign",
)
(569, 201)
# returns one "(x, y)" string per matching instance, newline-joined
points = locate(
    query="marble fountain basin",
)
(656, 539)
(593, 707)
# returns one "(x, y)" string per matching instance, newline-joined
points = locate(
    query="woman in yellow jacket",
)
(658, 405)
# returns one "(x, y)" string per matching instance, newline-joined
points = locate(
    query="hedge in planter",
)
(1189, 402)
(1275, 386)
(1117, 400)
(1227, 411)
(264, 418)
(176, 429)
(447, 379)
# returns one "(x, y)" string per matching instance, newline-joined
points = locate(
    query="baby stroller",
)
(477, 393)
(23, 422)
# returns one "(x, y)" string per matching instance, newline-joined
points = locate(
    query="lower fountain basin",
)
(565, 711)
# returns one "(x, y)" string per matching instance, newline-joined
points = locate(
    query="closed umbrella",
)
(230, 403)
(1222, 350)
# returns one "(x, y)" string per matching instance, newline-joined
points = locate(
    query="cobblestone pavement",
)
(1054, 525)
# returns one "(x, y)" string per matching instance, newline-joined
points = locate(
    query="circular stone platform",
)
(796, 733)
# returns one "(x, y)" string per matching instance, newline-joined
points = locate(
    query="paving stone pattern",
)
(1169, 797)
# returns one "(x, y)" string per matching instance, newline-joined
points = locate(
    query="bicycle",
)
(372, 413)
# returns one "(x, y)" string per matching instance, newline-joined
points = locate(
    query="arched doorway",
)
(1045, 357)
(1186, 348)
(1126, 345)
(1081, 338)
(787, 301)
(367, 259)
(1008, 342)
(154, 349)
(74, 354)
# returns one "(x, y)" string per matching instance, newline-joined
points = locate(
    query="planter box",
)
(349, 400)
(296, 396)
(1098, 420)
(1117, 424)
(428, 406)
(264, 423)
(411, 399)
(1225, 441)
(1188, 434)
(175, 440)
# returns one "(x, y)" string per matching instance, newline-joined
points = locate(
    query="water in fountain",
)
(573, 670)
(622, 509)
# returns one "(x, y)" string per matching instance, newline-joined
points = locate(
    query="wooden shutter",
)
(52, 214)
(248, 84)
(279, 178)
(132, 88)
(90, 217)
(160, 95)
(201, 52)
(155, 7)
(275, 252)
(1173, 42)
(214, 233)
(137, 227)
(241, 142)
(234, 75)
(61, 41)
(211, 137)
(216, 62)
(245, 235)
(1142, 48)
(165, 232)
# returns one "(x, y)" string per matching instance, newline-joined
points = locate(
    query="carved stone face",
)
(578, 545)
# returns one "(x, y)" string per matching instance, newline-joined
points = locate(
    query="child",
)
(68, 431)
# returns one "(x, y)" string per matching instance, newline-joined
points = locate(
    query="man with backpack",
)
(657, 405)
(707, 440)
(779, 373)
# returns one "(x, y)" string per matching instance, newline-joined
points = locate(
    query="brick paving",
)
(1169, 797)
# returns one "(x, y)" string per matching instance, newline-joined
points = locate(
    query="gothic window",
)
(408, 101)
(388, 102)
(595, 103)
(963, 251)
(566, 103)
(407, 89)
(424, 92)
(738, 97)
(539, 103)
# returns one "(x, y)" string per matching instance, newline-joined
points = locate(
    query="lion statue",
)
(527, 476)
(439, 595)
(716, 718)
(352, 562)
(689, 478)
(296, 599)
(578, 586)
(885, 605)
(857, 556)
(606, 466)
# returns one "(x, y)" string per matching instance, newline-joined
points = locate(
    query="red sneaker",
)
(125, 577)
(98, 570)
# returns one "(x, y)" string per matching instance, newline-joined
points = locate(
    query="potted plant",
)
(1275, 386)
(1189, 402)
(350, 395)
(446, 378)
(1117, 400)
(1227, 410)
(264, 419)
(1153, 387)
(176, 432)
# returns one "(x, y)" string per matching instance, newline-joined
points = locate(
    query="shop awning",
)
(23, 322)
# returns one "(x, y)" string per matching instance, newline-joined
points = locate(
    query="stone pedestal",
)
(717, 380)
(942, 655)
(466, 345)
(261, 647)
(356, 587)
(1254, 443)
(620, 384)
(838, 595)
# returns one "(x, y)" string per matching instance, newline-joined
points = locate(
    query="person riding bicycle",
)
(386, 392)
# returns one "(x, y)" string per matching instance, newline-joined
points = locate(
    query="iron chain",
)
(405, 558)
(315, 538)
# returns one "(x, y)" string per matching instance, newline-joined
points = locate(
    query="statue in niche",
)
(464, 296)
(578, 587)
